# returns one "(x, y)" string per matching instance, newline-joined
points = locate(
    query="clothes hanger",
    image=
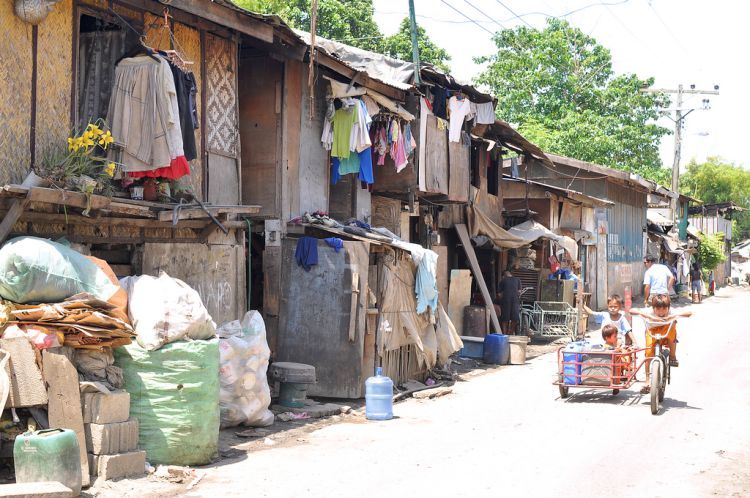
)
(142, 48)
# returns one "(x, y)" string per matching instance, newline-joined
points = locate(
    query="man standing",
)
(657, 280)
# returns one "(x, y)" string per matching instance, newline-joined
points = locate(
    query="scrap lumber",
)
(463, 234)
(64, 407)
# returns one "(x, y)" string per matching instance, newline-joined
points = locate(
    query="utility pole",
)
(414, 45)
(679, 123)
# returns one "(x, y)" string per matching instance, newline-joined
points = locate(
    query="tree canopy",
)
(352, 22)
(558, 86)
(399, 46)
(717, 180)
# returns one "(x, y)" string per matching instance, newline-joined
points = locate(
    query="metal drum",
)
(475, 321)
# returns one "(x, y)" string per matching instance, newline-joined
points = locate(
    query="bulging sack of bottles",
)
(164, 310)
(244, 396)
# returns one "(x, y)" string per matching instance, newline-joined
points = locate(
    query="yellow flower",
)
(94, 130)
(110, 170)
(73, 144)
(86, 141)
(106, 139)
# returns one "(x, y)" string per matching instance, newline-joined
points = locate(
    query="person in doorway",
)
(614, 316)
(660, 321)
(509, 291)
(695, 282)
(657, 280)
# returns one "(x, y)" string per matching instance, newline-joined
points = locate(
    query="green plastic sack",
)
(174, 394)
(34, 270)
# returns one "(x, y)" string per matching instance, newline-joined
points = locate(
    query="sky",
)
(687, 42)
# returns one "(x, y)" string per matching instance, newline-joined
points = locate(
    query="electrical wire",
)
(483, 13)
(514, 14)
(467, 17)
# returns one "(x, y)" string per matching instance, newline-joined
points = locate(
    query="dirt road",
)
(509, 432)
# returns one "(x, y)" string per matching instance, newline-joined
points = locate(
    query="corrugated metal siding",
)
(710, 224)
(626, 220)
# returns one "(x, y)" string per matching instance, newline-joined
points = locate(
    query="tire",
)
(664, 380)
(564, 391)
(615, 392)
(655, 386)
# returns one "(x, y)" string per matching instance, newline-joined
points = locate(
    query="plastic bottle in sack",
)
(253, 363)
(226, 350)
(250, 407)
(226, 395)
(245, 384)
(228, 373)
(231, 415)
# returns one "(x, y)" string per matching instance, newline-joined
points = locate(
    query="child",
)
(620, 362)
(615, 317)
(609, 334)
(660, 305)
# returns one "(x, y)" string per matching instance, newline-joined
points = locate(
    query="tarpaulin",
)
(517, 236)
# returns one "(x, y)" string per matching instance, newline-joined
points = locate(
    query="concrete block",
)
(109, 439)
(35, 490)
(108, 467)
(100, 408)
(26, 385)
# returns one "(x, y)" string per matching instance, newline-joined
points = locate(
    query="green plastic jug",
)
(48, 455)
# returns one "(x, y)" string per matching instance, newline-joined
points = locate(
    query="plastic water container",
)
(379, 397)
(48, 455)
(496, 349)
(572, 362)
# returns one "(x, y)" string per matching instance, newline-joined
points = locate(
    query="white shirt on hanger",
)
(459, 110)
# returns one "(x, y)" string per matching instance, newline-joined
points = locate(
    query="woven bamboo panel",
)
(157, 233)
(54, 69)
(221, 98)
(15, 97)
(127, 13)
(156, 36)
(48, 228)
(188, 40)
(122, 231)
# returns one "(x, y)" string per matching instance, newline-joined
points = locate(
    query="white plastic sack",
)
(244, 394)
(165, 310)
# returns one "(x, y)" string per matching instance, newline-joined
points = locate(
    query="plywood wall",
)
(15, 100)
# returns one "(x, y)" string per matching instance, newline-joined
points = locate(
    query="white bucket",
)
(518, 349)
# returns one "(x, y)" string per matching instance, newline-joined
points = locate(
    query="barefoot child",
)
(660, 305)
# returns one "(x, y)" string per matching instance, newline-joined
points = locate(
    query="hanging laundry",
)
(442, 124)
(306, 253)
(398, 151)
(381, 145)
(366, 174)
(336, 243)
(459, 108)
(486, 113)
(372, 107)
(348, 165)
(439, 96)
(327, 137)
(343, 120)
(409, 143)
(186, 88)
(360, 135)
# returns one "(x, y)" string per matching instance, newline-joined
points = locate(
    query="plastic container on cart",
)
(596, 366)
(48, 455)
(572, 362)
(496, 349)
(379, 397)
(473, 347)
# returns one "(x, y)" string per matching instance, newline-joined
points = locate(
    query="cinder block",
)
(100, 408)
(109, 439)
(108, 467)
(52, 489)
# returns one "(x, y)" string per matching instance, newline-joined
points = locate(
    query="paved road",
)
(509, 432)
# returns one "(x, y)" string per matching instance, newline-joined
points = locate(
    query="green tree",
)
(346, 21)
(717, 180)
(399, 47)
(558, 86)
(711, 251)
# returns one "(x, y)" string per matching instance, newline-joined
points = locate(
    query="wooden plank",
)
(463, 234)
(224, 16)
(353, 308)
(131, 209)
(197, 213)
(72, 219)
(64, 408)
(459, 297)
(26, 384)
(67, 198)
(458, 184)
(11, 217)
(122, 270)
(436, 157)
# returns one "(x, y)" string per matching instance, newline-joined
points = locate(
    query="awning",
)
(671, 243)
(517, 236)
(693, 232)
(657, 218)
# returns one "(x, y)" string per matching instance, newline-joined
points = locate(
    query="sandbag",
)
(174, 394)
(243, 355)
(164, 310)
(35, 270)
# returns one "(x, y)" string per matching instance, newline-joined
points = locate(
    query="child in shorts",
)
(621, 363)
(661, 307)
(616, 317)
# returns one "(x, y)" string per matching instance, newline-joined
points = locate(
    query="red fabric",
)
(177, 168)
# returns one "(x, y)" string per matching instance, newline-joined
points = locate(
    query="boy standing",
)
(616, 317)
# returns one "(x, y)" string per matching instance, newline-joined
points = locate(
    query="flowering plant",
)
(82, 165)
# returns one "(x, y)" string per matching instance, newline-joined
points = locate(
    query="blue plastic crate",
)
(473, 347)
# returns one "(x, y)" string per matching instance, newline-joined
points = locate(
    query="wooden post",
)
(579, 305)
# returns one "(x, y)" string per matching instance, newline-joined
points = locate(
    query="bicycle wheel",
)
(655, 385)
(664, 379)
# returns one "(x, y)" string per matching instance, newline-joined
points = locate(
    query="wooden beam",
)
(344, 70)
(463, 234)
(225, 16)
(197, 213)
(11, 217)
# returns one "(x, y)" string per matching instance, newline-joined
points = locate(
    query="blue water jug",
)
(496, 349)
(379, 397)
(572, 362)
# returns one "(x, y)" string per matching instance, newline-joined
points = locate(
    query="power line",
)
(467, 17)
(668, 30)
(516, 15)
(483, 13)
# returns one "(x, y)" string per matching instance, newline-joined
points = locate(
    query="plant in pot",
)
(83, 165)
